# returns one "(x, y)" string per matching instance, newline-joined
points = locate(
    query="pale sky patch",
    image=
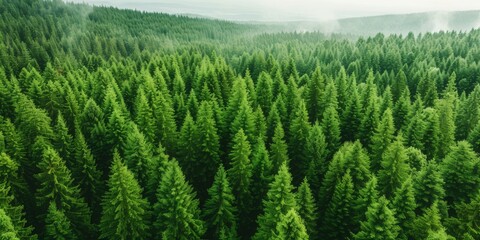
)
(289, 10)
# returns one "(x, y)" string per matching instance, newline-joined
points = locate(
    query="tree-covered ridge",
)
(113, 128)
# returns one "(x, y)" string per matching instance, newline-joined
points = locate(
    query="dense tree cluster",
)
(117, 124)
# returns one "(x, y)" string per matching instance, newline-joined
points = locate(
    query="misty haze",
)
(255, 119)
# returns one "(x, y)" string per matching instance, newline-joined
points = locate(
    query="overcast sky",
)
(287, 10)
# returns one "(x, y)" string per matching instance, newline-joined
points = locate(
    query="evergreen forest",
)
(121, 124)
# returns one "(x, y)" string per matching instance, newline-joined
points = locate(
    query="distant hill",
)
(394, 24)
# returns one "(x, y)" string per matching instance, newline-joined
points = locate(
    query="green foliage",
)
(278, 202)
(405, 205)
(380, 222)
(459, 171)
(57, 225)
(382, 138)
(394, 168)
(338, 221)
(278, 148)
(307, 208)
(220, 212)
(124, 211)
(291, 227)
(7, 231)
(177, 215)
(56, 184)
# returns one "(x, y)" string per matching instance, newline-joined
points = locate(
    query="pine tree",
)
(382, 138)
(338, 222)
(278, 202)
(58, 226)
(431, 139)
(186, 150)
(144, 115)
(291, 227)
(317, 152)
(124, 211)
(177, 212)
(207, 156)
(263, 88)
(428, 223)
(402, 109)
(370, 119)
(446, 116)
(299, 130)
(394, 168)
(405, 205)
(428, 186)
(399, 85)
(262, 176)
(278, 149)
(137, 154)
(155, 173)
(164, 115)
(415, 132)
(15, 212)
(62, 140)
(240, 175)
(86, 174)
(331, 128)
(220, 212)
(7, 231)
(307, 208)
(459, 171)
(366, 197)
(352, 115)
(380, 222)
(314, 95)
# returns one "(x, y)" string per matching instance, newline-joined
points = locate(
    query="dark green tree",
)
(177, 215)
(220, 212)
(299, 131)
(428, 186)
(279, 149)
(56, 185)
(405, 205)
(137, 154)
(460, 172)
(307, 208)
(338, 222)
(278, 202)
(57, 225)
(394, 168)
(381, 139)
(291, 227)
(124, 210)
(331, 128)
(380, 222)
(316, 149)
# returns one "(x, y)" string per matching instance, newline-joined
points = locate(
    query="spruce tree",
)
(430, 222)
(124, 210)
(164, 115)
(277, 203)
(380, 222)
(57, 225)
(446, 116)
(155, 173)
(279, 149)
(338, 222)
(56, 184)
(220, 212)
(331, 128)
(15, 212)
(299, 130)
(291, 227)
(381, 139)
(394, 168)
(306, 208)
(240, 175)
(137, 154)
(262, 176)
(177, 214)
(459, 171)
(405, 205)
(428, 185)
(431, 139)
(207, 156)
(144, 115)
(263, 88)
(86, 174)
(62, 140)
(366, 197)
(316, 149)
(352, 115)
(7, 230)
(315, 94)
